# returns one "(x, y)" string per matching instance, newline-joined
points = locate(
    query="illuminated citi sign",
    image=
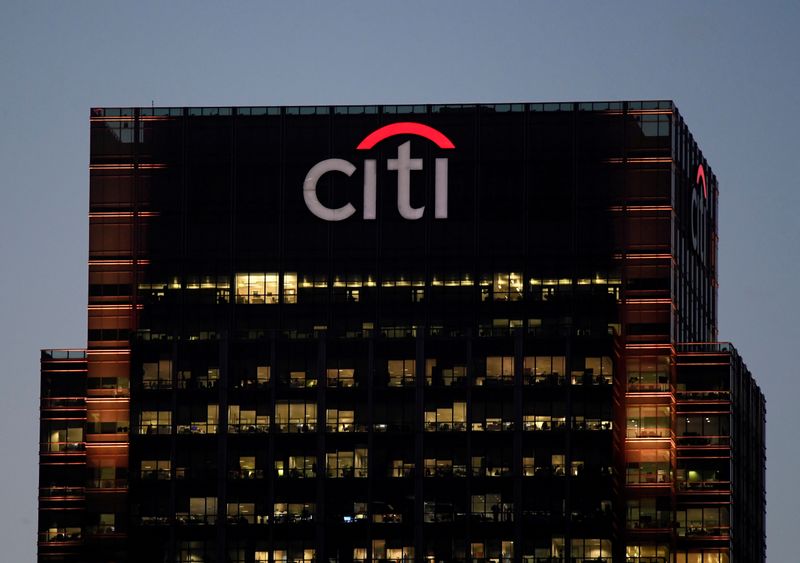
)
(699, 212)
(403, 164)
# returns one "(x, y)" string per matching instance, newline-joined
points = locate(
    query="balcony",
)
(107, 484)
(704, 486)
(61, 493)
(690, 439)
(63, 448)
(61, 536)
(63, 403)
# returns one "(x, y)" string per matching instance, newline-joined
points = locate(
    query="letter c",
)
(310, 189)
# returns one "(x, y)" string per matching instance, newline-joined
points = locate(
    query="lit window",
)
(155, 422)
(290, 287)
(507, 286)
(296, 416)
(340, 420)
(445, 419)
(500, 369)
(347, 463)
(401, 372)
(259, 289)
(341, 377)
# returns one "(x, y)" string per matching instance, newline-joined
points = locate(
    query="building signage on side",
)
(403, 164)
(699, 213)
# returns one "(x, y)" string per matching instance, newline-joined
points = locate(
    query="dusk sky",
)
(732, 69)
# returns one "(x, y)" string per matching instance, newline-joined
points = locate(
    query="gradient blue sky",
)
(731, 67)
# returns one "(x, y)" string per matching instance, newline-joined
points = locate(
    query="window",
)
(700, 474)
(107, 422)
(197, 419)
(647, 552)
(258, 289)
(591, 549)
(340, 420)
(492, 417)
(343, 464)
(297, 467)
(491, 508)
(648, 513)
(648, 422)
(246, 420)
(401, 372)
(262, 376)
(500, 369)
(705, 556)
(346, 289)
(155, 422)
(294, 513)
(213, 289)
(444, 467)
(206, 379)
(703, 429)
(380, 552)
(156, 469)
(496, 461)
(106, 524)
(528, 467)
(290, 287)
(452, 375)
(301, 380)
(296, 416)
(447, 418)
(61, 534)
(437, 511)
(193, 551)
(703, 521)
(557, 464)
(202, 510)
(648, 373)
(341, 377)
(647, 467)
(547, 289)
(543, 370)
(243, 513)
(402, 468)
(246, 469)
(157, 375)
(598, 371)
(507, 286)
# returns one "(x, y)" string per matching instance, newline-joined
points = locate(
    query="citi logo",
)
(403, 164)
(699, 213)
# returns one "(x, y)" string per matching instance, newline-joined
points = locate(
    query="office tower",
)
(401, 333)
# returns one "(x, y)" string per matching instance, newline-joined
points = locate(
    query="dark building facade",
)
(401, 333)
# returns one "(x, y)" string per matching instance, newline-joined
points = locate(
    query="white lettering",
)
(440, 210)
(404, 164)
(370, 193)
(310, 189)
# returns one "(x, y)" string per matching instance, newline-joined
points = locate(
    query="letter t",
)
(404, 164)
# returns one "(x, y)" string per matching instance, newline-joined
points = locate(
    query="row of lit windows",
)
(355, 329)
(354, 464)
(401, 373)
(301, 417)
(487, 507)
(501, 551)
(265, 288)
(595, 550)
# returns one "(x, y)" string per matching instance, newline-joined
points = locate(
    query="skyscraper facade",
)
(401, 333)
